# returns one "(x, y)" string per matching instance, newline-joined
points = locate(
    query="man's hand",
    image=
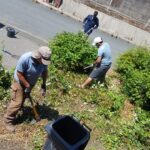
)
(43, 89)
(27, 92)
(95, 27)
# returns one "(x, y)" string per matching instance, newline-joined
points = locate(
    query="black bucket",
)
(66, 133)
(11, 32)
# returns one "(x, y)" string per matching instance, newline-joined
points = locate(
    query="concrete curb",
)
(108, 24)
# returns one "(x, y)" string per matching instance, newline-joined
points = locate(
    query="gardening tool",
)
(90, 66)
(37, 116)
(89, 31)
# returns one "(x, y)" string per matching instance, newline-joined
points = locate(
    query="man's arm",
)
(44, 77)
(43, 86)
(96, 24)
(22, 79)
(85, 19)
(97, 61)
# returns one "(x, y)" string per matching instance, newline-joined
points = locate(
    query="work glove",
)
(27, 92)
(43, 89)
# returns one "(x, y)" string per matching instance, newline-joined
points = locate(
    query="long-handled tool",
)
(37, 116)
(90, 30)
(90, 66)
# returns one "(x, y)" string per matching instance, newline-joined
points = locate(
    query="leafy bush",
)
(134, 67)
(72, 51)
(57, 80)
(137, 86)
(5, 80)
(136, 58)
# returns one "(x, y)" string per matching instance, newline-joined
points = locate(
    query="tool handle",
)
(82, 123)
(37, 117)
(90, 66)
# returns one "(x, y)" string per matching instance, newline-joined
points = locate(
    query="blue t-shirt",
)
(31, 70)
(104, 52)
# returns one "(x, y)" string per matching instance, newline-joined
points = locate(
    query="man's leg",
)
(102, 75)
(87, 82)
(14, 106)
(96, 74)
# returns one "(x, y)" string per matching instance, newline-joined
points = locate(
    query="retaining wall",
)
(109, 24)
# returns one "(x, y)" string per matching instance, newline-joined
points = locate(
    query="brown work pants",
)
(17, 100)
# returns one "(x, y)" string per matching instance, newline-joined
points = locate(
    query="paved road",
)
(41, 22)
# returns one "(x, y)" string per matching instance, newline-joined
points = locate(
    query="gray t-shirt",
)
(31, 70)
(104, 52)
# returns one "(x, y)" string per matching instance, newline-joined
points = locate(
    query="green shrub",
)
(5, 80)
(72, 51)
(137, 86)
(134, 67)
(136, 58)
(127, 134)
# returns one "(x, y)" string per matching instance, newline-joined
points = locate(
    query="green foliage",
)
(111, 103)
(117, 100)
(57, 80)
(143, 126)
(136, 58)
(129, 135)
(137, 86)
(72, 51)
(38, 139)
(5, 80)
(134, 134)
(134, 67)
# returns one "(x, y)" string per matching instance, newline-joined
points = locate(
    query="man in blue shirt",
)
(30, 67)
(90, 23)
(102, 63)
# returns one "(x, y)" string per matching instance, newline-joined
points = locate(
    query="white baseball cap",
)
(97, 40)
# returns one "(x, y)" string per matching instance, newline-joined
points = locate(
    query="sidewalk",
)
(13, 48)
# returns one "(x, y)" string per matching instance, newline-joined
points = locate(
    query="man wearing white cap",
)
(102, 63)
(30, 67)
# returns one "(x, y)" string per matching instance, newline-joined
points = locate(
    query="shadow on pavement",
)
(11, 54)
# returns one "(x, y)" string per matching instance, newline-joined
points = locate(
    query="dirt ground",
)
(22, 138)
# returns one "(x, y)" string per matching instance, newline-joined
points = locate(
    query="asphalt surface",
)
(13, 48)
(37, 24)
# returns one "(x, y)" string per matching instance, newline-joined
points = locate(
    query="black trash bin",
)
(66, 133)
(10, 32)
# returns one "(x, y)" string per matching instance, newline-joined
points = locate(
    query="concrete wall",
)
(138, 10)
(109, 24)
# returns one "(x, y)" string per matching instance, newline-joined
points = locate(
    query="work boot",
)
(10, 127)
